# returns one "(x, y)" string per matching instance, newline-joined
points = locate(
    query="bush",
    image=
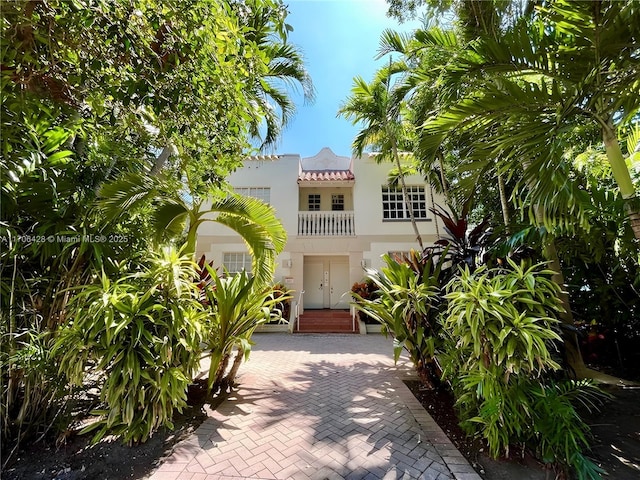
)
(366, 290)
(406, 303)
(500, 328)
(141, 335)
(282, 307)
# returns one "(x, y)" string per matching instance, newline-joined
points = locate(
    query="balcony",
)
(326, 224)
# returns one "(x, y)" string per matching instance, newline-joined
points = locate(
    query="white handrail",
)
(297, 320)
(353, 318)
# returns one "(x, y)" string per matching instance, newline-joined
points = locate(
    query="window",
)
(394, 208)
(314, 202)
(262, 193)
(235, 262)
(337, 202)
(399, 256)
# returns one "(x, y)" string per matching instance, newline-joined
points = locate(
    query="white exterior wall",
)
(385, 236)
(372, 239)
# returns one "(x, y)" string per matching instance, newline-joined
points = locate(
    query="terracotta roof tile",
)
(325, 175)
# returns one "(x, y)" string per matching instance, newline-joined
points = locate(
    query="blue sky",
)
(339, 40)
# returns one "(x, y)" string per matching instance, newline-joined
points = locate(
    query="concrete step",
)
(326, 321)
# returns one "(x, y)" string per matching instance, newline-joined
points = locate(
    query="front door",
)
(339, 285)
(326, 283)
(313, 284)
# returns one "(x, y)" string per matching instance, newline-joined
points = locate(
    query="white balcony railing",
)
(326, 224)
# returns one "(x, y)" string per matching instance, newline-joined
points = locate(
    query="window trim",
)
(316, 196)
(337, 200)
(396, 198)
(261, 193)
(246, 260)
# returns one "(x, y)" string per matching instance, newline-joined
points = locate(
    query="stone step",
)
(326, 321)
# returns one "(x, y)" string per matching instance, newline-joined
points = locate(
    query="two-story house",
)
(340, 215)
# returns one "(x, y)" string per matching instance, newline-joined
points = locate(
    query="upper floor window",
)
(262, 193)
(235, 262)
(394, 207)
(314, 202)
(337, 202)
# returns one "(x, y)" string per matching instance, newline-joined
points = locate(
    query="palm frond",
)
(169, 220)
(257, 224)
(393, 42)
(126, 193)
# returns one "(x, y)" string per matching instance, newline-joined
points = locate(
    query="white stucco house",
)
(340, 216)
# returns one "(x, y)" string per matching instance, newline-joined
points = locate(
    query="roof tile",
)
(325, 175)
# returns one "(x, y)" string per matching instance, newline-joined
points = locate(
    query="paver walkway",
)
(318, 407)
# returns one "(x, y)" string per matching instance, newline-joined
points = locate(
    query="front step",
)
(326, 321)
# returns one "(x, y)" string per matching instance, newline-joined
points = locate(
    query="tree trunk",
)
(573, 355)
(445, 189)
(632, 209)
(503, 202)
(405, 194)
(622, 177)
(217, 366)
(162, 159)
(229, 380)
(435, 217)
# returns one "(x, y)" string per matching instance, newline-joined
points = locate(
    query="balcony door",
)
(326, 282)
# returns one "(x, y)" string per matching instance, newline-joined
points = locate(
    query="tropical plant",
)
(140, 335)
(564, 68)
(381, 110)
(93, 92)
(602, 272)
(465, 246)
(36, 397)
(559, 435)
(502, 322)
(501, 335)
(365, 290)
(285, 67)
(406, 304)
(239, 304)
(564, 101)
(282, 295)
(175, 213)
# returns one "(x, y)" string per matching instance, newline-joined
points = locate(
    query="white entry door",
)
(313, 284)
(326, 283)
(339, 285)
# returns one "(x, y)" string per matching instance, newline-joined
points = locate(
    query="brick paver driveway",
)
(318, 407)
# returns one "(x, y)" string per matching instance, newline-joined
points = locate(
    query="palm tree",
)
(284, 68)
(173, 213)
(574, 63)
(381, 109)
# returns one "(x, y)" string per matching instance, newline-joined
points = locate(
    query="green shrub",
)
(559, 434)
(500, 327)
(406, 304)
(141, 335)
(39, 400)
(282, 307)
(365, 290)
(239, 304)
